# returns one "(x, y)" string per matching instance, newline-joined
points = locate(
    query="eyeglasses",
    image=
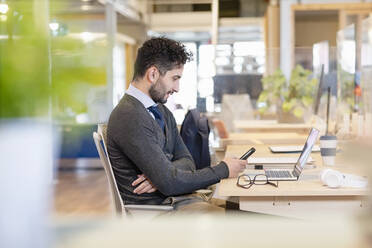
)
(245, 181)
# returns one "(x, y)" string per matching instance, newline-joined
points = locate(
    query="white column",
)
(286, 32)
(111, 28)
(215, 18)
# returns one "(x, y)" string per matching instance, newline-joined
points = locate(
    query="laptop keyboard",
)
(278, 174)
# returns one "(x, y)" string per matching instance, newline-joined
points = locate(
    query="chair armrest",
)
(203, 191)
(149, 207)
(219, 149)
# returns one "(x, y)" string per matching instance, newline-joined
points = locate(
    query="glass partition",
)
(273, 95)
(366, 78)
(355, 84)
(346, 68)
(79, 58)
(79, 77)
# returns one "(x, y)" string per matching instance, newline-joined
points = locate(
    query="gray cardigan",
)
(136, 145)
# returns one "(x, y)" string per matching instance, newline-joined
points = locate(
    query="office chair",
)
(120, 208)
(235, 107)
(221, 128)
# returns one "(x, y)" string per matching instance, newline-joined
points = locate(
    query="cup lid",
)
(328, 137)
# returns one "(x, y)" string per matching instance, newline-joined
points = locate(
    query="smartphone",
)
(248, 153)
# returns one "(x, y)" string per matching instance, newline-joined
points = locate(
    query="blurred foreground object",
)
(25, 183)
(209, 231)
(358, 153)
(24, 61)
(26, 136)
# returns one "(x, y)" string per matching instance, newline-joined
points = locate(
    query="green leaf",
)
(298, 111)
(287, 106)
(262, 110)
(307, 100)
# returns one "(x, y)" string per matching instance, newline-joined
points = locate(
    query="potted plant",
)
(272, 89)
(291, 101)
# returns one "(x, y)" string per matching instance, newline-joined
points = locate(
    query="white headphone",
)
(336, 179)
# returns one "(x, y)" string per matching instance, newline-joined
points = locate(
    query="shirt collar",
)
(140, 96)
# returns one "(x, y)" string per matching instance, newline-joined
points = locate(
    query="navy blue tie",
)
(158, 116)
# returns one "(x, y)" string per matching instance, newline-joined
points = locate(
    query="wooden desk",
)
(270, 126)
(253, 138)
(306, 198)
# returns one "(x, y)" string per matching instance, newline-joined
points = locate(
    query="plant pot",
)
(288, 117)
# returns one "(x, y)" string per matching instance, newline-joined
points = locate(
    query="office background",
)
(68, 63)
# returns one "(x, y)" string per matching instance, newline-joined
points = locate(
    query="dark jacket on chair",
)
(195, 133)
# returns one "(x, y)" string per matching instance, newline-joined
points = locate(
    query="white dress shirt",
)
(142, 97)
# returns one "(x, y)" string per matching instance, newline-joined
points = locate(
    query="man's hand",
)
(145, 185)
(235, 166)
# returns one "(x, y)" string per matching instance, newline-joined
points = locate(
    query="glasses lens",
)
(244, 180)
(260, 179)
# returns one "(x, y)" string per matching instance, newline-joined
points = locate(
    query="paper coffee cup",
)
(328, 145)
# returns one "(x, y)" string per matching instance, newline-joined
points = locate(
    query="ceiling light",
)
(54, 26)
(85, 7)
(87, 36)
(4, 8)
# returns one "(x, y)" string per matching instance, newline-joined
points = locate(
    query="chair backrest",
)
(100, 141)
(221, 128)
(235, 107)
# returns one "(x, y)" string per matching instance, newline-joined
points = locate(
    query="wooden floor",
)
(81, 189)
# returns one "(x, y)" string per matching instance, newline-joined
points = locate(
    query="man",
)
(151, 164)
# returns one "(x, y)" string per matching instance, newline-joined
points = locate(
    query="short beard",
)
(157, 92)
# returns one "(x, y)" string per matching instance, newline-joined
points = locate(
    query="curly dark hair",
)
(163, 53)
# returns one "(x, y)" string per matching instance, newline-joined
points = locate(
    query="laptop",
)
(294, 174)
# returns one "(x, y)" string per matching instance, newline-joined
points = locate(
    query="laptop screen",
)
(301, 162)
